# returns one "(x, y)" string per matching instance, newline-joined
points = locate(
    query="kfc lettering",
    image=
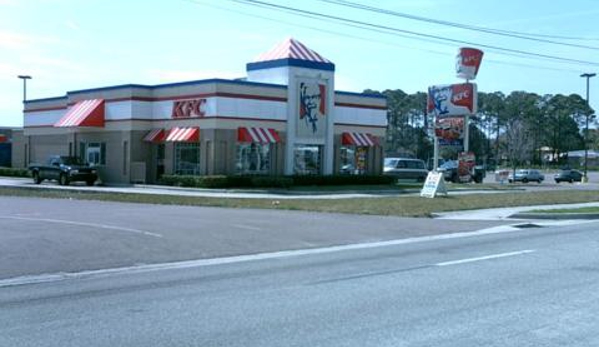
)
(467, 62)
(463, 96)
(189, 108)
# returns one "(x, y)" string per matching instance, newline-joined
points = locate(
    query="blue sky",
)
(77, 44)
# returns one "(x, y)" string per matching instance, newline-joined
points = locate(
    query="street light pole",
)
(24, 78)
(586, 133)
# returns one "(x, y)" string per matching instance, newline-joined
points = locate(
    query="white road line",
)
(246, 227)
(93, 225)
(55, 277)
(486, 257)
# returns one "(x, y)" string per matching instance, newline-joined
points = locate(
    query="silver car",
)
(526, 176)
(405, 168)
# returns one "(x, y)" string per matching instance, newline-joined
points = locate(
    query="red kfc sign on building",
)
(189, 108)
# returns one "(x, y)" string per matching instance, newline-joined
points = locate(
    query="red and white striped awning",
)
(85, 113)
(191, 134)
(359, 139)
(155, 135)
(3, 138)
(258, 135)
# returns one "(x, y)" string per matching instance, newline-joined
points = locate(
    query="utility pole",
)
(24, 78)
(586, 131)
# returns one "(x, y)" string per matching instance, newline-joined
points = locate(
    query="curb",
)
(555, 216)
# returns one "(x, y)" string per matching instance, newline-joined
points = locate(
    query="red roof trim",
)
(374, 107)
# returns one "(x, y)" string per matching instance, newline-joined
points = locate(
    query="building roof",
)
(291, 49)
(291, 52)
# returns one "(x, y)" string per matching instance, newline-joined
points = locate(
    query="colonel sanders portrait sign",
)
(312, 110)
(452, 100)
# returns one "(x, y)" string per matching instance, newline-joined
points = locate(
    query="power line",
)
(370, 40)
(391, 30)
(506, 33)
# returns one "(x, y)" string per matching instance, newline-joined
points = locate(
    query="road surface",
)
(533, 287)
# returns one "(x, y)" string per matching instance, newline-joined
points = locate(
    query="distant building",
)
(284, 118)
(576, 158)
(6, 135)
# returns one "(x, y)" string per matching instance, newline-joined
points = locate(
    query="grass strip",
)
(590, 209)
(407, 206)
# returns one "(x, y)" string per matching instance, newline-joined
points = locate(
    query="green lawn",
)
(412, 206)
(592, 209)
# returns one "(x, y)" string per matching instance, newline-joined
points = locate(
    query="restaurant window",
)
(187, 158)
(93, 153)
(253, 158)
(125, 157)
(307, 160)
(353, 160)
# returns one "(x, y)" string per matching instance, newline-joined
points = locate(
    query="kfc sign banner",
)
(452, 100)
(467, 62)
(451, 128)
(189, 108)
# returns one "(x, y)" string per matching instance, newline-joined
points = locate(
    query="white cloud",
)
(13, 40)
(346, 84)
(8, 71)
(71, 24)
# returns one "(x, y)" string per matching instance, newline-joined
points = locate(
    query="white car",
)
(526, 176)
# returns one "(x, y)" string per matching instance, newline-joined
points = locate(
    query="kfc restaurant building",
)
(284, 118)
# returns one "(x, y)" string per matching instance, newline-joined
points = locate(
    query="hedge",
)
(12, 172)
(222, 181)
(341, 180)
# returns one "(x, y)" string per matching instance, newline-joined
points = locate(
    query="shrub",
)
(236, 181)
(13, 172)
(272, 182)
(341, 180)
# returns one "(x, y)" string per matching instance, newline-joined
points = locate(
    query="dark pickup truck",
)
(64, 170)
(450, 172)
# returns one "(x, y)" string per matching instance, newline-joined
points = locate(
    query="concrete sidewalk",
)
(508, 213)
(234, 193)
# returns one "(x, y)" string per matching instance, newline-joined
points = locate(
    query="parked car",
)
(569, 176)
(405, 168)
(450, 172)
(525, 176)
(64, 170)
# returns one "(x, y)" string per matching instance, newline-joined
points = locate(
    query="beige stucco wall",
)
(19, 146)
(42, 147)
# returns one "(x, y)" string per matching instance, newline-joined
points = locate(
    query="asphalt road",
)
(40, 236)
(536, 287)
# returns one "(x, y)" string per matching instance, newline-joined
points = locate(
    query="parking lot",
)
(549, 182)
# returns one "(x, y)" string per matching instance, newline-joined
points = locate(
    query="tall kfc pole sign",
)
(452, 104)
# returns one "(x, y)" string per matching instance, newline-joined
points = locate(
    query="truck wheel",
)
(63, 180)
(36, 178)
(525, 180)
(90, 182)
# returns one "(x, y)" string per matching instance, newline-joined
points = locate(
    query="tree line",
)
(520, 127)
